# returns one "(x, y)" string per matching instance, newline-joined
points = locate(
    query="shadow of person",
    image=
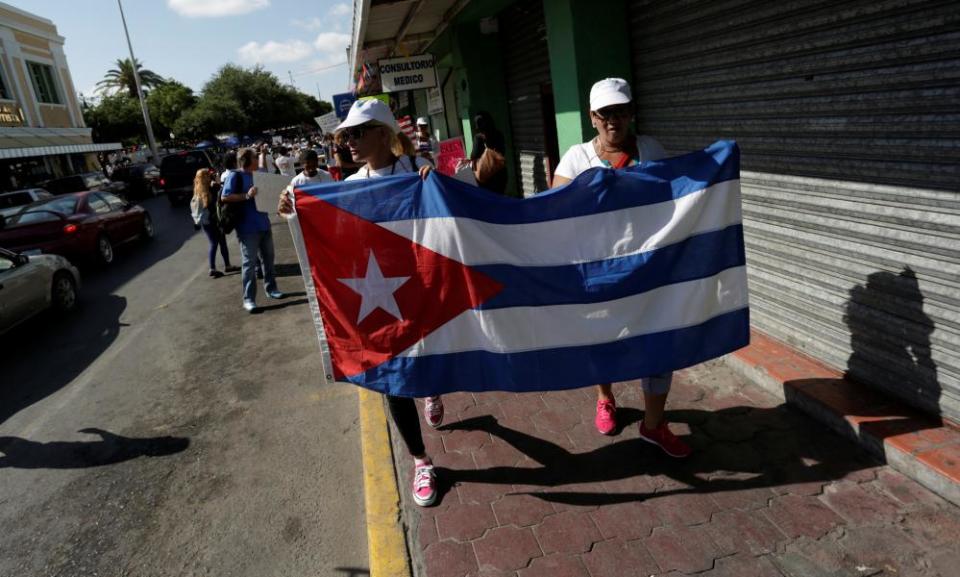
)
(890, 338)
(736, 448)
(110, 449)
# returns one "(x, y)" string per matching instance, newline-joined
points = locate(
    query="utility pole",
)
(136, 79)
(291, 79)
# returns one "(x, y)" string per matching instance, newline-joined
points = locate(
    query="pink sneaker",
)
(424, 484)
(433, 411)
(666, 440)
(606, 420)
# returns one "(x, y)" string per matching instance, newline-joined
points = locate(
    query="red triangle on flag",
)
(353, 260)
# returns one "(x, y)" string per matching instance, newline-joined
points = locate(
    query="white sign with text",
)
(410, 73)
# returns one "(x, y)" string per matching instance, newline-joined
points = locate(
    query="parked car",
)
(10, 202)
(177, 172)
(142, 180)
(84, 181)
(80, 226)
(33, 284)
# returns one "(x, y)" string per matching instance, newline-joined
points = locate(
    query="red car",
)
(80, 226)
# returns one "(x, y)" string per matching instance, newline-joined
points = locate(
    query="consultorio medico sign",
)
(409, 73)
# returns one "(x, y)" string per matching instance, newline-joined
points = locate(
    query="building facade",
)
(848, 119)
(42, 133)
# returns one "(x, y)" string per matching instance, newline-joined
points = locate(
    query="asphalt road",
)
(162, 430)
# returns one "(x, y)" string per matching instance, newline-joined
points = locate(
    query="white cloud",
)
(342, 9)
(274, 51)
(332, 42)
(311, 24)
(215, 8)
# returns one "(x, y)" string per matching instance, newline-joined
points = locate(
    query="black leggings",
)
(407, 419)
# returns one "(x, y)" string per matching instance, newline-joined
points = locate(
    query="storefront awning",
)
(384, 28)
(7, 153)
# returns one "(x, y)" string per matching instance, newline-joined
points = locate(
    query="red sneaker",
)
(666, 440)
(606, 419)
(433, 411)
(424, 484)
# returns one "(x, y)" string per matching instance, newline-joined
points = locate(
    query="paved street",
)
(530, 489)
(162, 430)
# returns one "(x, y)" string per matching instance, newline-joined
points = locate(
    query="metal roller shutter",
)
(523, 37)
(848, 118)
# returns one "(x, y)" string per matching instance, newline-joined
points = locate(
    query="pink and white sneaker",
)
(433, 411)
(424, 484)
(606, 419)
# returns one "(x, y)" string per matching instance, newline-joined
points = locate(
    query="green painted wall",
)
(587, 41)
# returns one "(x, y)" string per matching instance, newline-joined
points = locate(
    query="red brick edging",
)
(923, 447)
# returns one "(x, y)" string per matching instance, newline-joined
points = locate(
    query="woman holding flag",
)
(370, 130)
(616, 146)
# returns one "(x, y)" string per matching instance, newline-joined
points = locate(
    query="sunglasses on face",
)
(618, 111)
(357, 132)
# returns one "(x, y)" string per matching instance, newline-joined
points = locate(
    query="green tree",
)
(167, 103)
(115, 118)
(121, 78)
(209, 118)
(317, 107)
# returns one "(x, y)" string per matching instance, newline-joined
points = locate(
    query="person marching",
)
(203, 209)
(616, 146)
(370, 131)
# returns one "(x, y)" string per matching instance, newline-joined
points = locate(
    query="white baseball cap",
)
(422, 121)
(364, 111)
(609, 92)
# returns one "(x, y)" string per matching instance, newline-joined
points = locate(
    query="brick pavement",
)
(529, 488)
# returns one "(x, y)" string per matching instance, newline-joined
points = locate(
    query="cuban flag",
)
(420, 288)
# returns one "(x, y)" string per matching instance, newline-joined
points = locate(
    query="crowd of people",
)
(369, 144)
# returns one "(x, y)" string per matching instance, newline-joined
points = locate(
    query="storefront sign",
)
(328, 122)
(342, 104)
(10, 114)
(452, 152)
(434, 101)
(410, 73)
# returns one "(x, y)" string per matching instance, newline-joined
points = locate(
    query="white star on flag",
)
(375, 290)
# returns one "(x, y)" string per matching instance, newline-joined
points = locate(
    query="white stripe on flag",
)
(520, 329)
(580, 239)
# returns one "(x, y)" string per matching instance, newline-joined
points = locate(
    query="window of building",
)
(43, 83)
(4, 91)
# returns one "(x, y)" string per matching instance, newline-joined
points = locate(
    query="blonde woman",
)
(203, 208)
(371, 133)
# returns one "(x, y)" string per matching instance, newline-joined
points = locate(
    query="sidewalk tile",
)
(944, 460)
(884, 547)
(521, 510)
(449, 559)
(555, 566)
(906, 490)
(802, 515)
(464, 441)
(480, 492)
(859, 504)
(685, 549)
(507, 549)
(568, 532)
(615, 558)
(684, 508)
(744, 499)
(934, 528)
(626, 521)
(748, 533)
(497, 454)
(465, 522)
(743, 566)
(427, 532)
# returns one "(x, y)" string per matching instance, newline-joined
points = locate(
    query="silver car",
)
(32, 284)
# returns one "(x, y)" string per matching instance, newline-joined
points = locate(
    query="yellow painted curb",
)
(385, 542)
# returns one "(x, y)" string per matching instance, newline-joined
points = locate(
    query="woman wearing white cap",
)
(616, 146)
(371, 133)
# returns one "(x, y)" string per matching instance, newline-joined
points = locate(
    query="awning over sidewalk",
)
(7, 153)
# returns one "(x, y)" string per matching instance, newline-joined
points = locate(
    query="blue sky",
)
(188, 40)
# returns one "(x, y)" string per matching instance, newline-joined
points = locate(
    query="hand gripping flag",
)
(426, 287)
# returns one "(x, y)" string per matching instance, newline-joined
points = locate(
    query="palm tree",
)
(121, 78)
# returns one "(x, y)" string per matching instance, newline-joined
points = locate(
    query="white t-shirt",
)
(400, 166)
(302, 178)
(285, 164)
(266, 162)
(581, 157)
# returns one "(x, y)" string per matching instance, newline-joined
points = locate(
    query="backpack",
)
(231, 213)
(200, 214)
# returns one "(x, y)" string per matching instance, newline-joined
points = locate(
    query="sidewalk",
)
(529, 488)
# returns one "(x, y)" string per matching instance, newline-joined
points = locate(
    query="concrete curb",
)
(922, 447)
(385, 538)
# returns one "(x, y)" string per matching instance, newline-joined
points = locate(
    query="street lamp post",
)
(136, 78)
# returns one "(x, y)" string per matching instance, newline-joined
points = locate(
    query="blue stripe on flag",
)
(596, 190)
(560, 368)
(697, 257)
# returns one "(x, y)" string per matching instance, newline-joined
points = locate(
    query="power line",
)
(308, 71)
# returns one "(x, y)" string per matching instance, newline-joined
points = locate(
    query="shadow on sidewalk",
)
(736, 448)
(110, 449)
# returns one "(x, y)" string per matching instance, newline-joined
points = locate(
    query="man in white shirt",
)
(285, 163)
(311, 172)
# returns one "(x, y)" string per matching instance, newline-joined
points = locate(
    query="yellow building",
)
(42, 133)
